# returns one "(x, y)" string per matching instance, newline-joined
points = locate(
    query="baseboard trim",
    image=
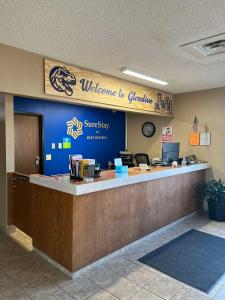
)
(53, 262)
(8, 229)
(104, 259)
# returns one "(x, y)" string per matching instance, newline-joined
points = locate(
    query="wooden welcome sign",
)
(77, 83)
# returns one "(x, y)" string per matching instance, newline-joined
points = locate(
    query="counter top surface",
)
(109, 179)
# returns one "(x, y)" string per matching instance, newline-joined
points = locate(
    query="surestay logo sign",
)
(77, 83)
(76, 128)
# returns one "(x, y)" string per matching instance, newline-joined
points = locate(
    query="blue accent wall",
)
(102, 143)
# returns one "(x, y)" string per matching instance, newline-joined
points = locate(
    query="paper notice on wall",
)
(194, 139)
(167, 134)
(205, 139)
(66, 143)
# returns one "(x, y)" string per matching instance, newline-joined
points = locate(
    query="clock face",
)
(148, 129)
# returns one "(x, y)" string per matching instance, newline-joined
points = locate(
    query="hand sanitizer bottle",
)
(184, 162)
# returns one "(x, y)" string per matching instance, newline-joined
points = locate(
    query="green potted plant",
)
(214, 192)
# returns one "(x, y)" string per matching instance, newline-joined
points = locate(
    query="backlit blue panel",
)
(93, 132)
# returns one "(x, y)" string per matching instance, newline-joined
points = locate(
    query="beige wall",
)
(6, 151)
(22, 73)
(209, 107)
(136, 142)
(3, 206)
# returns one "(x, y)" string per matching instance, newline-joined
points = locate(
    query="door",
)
(19, 202)
(28, 144)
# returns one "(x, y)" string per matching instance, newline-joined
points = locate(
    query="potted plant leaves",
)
(214, 192)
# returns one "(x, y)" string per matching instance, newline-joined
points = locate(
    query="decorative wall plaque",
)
(77, 83)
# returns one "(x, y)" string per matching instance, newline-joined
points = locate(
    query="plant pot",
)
(216, 211)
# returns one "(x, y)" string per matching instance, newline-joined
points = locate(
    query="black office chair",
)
(141, 158)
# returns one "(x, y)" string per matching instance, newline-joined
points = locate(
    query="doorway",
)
(28, 143)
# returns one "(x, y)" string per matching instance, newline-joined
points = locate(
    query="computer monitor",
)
(170, 152)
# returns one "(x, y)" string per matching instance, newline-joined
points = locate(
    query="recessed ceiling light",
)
(142, 76)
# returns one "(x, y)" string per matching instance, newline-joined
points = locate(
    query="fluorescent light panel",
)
(142, 76)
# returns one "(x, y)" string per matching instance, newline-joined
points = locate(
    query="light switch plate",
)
(53, 145)
(59, 145)
(48, 157)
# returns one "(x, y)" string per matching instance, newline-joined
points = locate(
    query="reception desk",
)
(77, 223)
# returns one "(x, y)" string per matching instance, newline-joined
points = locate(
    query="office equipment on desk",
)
(127, 158)
(157, 163)
(81, 168)
(170, 153)
(142, 158)
(144, 167)
(192, 159)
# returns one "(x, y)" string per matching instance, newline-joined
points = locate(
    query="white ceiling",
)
(105, 35)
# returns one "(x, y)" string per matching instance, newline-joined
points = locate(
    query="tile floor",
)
(25, 275)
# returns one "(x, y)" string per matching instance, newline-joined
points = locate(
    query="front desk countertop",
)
(94, 219)
(109, 179)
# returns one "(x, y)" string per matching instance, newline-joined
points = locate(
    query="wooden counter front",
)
(78, 230)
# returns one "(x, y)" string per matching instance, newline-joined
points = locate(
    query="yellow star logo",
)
(71, 125)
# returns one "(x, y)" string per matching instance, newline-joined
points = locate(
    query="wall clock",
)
(148, 129)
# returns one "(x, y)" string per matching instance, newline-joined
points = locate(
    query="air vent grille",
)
(212, 48)
(209, 50)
